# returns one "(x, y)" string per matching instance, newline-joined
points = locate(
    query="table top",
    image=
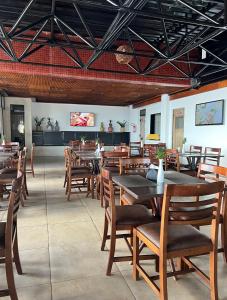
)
(142, 188)
(197, 154)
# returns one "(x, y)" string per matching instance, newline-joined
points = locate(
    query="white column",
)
(164, 118)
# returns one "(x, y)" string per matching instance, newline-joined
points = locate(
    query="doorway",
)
(17, 124)
(178, 128)
(142, 125)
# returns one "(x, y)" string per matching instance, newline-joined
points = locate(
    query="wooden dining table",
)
(139, 187)
(194, 158)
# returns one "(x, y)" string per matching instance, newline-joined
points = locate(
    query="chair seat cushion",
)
(78, 172)
(133, 215)
(179, 237)
(132, 201)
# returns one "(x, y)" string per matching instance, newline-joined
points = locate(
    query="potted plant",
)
(38, 123)
(183, 144)
(160, 155)
(122, 125)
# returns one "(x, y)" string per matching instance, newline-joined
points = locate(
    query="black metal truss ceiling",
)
(170, 31)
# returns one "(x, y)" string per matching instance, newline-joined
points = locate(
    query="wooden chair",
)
(70, 158)
(172, 161)
(212, 160)
(9, 174)
(175, 237)
(196, 149)
(31, 161)
(134, 165)
(111, 159)
(120, 218)
(135, 149)
(78, 179)
(212, 173)
(9, 253)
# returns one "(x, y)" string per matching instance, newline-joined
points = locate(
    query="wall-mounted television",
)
(82, 119)
(209, 113)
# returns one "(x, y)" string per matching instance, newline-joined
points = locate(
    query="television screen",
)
(82, 119)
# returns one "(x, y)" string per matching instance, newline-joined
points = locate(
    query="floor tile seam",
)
(48, 234)
(89, 213)
(29, 286)
(85, 277)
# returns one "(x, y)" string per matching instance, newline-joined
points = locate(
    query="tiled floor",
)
(59, 245)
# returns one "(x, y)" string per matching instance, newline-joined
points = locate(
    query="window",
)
(155, 124)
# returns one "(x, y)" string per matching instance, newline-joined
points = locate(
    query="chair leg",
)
(68, 190)
(10, 277)
(16, 256)
(25, 184)
(112, 251)
(213, 276)
(92, 187)
(135, 273)
(33, 172)
(65, 179)
(105, 232)
(163, 278)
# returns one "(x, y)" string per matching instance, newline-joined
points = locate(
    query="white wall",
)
(61, 113)
(206, 136)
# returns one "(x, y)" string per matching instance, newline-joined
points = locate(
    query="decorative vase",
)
(110, 128)
(122, 129)
(38, 128)
(102, 128)
(160, 176)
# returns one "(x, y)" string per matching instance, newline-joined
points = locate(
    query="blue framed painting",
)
(209, 113)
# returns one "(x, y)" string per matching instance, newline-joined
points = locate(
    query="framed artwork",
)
(209, 113)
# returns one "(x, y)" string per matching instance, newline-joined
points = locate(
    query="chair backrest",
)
(134, 165)
(212, 160)
(186, 211)
(87, 147)
(198, 149)
(90, 142)
(212, 172)
(108, 192)
(74, 144)
(121, 148)
(15, 145)
(111, 158)
(6, 148)
(172, 159)
(14, 204)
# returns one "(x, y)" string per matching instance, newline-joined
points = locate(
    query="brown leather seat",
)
(179, 237)
(78, 172)
(133, 215)
(132, 201)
